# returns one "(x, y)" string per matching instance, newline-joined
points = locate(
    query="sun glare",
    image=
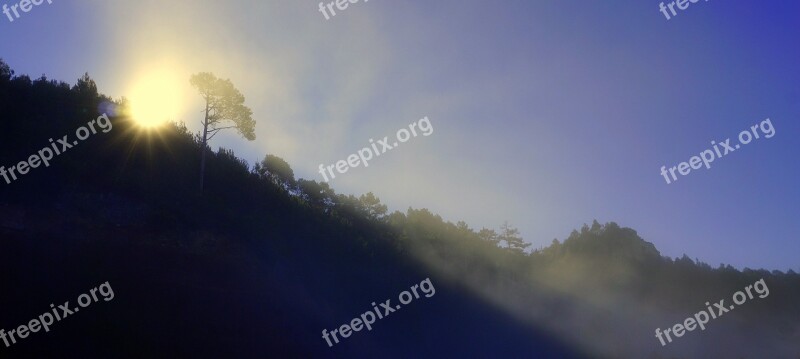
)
(156, 97)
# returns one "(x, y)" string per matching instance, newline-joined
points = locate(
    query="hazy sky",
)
(545, 114)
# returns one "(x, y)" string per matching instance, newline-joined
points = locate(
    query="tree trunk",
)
(203, 150)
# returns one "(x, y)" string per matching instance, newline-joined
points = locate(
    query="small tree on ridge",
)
(224, 105)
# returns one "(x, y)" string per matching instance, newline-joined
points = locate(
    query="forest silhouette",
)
(262, 261)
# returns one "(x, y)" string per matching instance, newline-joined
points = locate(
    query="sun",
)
(156, 97)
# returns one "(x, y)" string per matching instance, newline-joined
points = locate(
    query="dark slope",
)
(236, 302)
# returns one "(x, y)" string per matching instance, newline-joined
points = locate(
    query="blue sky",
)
(545, 114)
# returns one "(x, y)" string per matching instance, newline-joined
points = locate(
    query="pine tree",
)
(511, 236)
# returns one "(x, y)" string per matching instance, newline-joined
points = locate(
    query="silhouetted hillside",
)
(261, 262)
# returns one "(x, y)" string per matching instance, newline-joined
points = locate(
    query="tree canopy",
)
(276, 170)
(224, 103)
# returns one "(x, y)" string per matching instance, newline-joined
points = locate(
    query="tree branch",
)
(215, 131)
(222, 128)
(212, 135)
